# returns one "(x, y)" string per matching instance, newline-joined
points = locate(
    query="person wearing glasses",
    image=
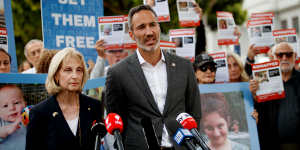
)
(205, 69)
(279, 120)
(32, 52)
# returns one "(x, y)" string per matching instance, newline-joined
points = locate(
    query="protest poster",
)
(111, 29)
(220, 58)
(184, 41)
(260, 33)
(128, 43)
(186, 13)
(289, 36)
(33, 89)
(167, 46)
(7, 38)
(226, 28)
(268, 74)
(161, 7)
(231, 104)
(260, 15)
(3, 39)
(71, 24)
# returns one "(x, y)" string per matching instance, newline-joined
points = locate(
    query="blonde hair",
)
(244, 76)
(56, 62)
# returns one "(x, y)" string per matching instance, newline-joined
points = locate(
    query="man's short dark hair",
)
(4, 51)
(137, 9)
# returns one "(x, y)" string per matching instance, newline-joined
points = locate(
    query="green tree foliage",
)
(27, 24)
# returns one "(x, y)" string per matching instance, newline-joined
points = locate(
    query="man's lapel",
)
(171, 72)
(136, 71)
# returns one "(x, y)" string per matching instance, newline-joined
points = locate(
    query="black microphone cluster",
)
(184, 130)
(113, 125)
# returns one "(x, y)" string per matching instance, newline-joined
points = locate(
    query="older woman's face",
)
(215, 127)
(206, 76)
(70, 75)
(4, 63)
(234, 70)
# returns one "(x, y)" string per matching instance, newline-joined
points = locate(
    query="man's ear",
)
(131, 35)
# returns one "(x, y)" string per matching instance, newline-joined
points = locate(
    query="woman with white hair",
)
(64, 120)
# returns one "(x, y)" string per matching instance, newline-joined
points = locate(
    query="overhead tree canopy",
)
(28, 25)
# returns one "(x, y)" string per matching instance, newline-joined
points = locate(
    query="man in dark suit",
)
(150, 83)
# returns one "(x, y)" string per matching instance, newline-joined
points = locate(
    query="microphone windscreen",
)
(187, 121)
(25, 115)
(113, 122)
(173, 125)
(99, 128)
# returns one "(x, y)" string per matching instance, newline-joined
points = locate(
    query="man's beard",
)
(286, 68)
(147, 48)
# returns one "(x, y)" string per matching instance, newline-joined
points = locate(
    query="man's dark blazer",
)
(48, 129)
(128, 94)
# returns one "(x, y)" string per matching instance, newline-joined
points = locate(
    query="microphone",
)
(150, 135)
(114, 126)
(188, 122)
(182, 136)
(99, 130)
(25, 115)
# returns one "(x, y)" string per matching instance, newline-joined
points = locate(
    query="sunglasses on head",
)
(287, 54)
(211, 67)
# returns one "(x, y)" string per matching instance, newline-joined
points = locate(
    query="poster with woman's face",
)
(226, 118)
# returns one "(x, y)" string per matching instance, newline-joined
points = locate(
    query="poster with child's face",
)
(19, 93)
(226, 116)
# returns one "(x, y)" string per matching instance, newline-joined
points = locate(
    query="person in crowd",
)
(236, 69)
(200, 32)
(222, 24)
(25, 65)
(279, 121)
(215, 123)
(205, 69)
(5, 61)
(143, 84)
(32, 52)
(64, 120)
(91, 66)
(100, 70)
(44, 61)
(12, 132)
(112, 56)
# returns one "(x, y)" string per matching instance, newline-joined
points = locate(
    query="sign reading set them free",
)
(71, 23)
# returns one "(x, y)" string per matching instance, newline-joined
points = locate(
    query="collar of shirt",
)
(142, 60)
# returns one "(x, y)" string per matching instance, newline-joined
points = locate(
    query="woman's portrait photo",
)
(223, 121)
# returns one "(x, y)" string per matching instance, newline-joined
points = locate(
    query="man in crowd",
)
(32, 52)
(150, 84)
(112, 57)
(279, 120)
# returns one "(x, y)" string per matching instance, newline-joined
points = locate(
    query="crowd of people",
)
(146, 82)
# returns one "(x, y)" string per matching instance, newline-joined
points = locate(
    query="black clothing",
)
(279, 120)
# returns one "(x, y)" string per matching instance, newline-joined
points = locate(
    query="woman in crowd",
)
(236, 69)
(25, 65)
(44, 61)
(64, 120)
(5, 61)
(214, 120)
(205, 69)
